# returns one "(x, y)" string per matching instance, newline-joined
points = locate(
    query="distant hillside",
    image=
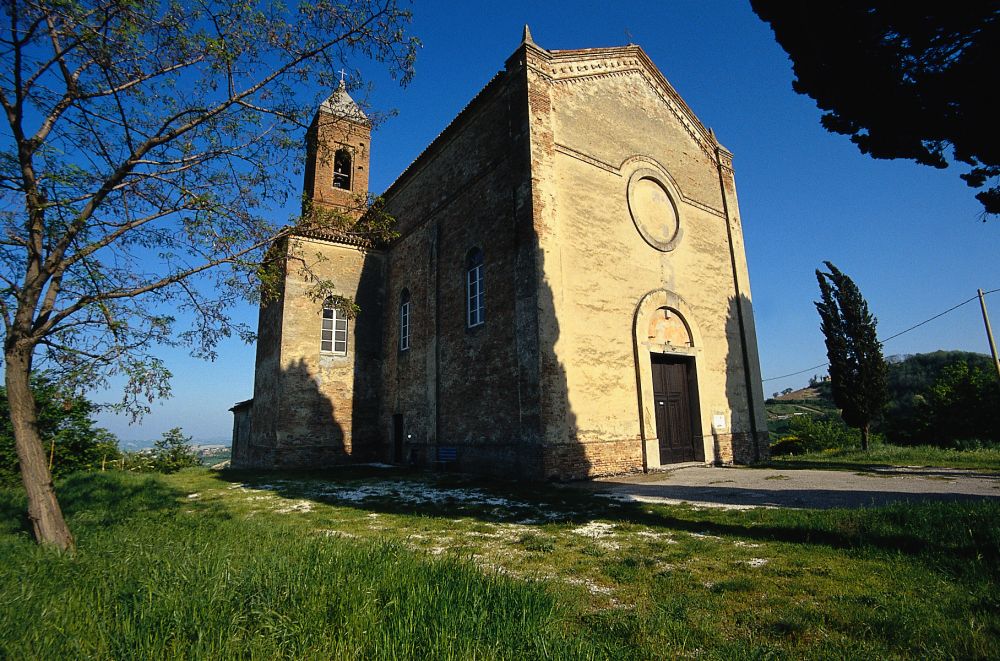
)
(910, 378)
(810, 392)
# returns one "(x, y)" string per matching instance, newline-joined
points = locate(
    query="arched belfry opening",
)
(667, 373)
(342, 169)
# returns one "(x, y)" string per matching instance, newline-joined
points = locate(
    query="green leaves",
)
(173, 452)
(66, 429)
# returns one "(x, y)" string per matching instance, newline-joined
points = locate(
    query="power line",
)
(808, 369)
(891, 337)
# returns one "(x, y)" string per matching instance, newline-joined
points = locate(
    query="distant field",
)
(370, 563)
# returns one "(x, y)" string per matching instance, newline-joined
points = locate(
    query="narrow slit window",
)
(475, 288)
(333, 337)
(342, 169)
(404, 320)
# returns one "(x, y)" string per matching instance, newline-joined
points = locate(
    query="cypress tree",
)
(857, 368)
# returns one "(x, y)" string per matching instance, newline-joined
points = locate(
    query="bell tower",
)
(338, 153)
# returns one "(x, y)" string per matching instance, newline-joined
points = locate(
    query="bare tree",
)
(145, 149)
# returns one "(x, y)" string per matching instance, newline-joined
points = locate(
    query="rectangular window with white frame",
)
(404, 326)
(475, 289)
(334, 332)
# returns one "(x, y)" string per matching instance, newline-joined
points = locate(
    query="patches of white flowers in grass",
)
(592, 587)
(595, 530)
(400, 491)
(337, 533)
(301, 507)
(701, 535)
(269, 486)
(600, 532)
(757, 562)
(412, 493)
(666, 538)
(192, 496)
(746, 545)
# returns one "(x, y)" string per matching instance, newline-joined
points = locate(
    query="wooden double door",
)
(675, 392)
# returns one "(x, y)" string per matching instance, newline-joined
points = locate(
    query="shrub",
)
(815, 434)
(173, 452)
(787, 445)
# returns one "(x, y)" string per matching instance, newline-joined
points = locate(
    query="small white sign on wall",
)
(719, 422)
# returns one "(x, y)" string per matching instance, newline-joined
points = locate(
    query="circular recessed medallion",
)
(653, 209)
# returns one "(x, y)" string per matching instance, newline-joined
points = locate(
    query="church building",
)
(567, 295)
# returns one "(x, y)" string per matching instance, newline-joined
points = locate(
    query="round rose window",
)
(653, 210)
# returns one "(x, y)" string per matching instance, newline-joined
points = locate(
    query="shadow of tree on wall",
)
(309, 434)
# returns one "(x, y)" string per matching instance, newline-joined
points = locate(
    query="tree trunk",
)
(864, 437)
(43, 509)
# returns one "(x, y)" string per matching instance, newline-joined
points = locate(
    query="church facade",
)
(568, 294)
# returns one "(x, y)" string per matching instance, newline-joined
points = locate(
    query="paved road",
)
(764, 487)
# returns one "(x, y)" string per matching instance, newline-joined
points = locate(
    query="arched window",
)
(404, 320)
(474, 289)
(342, 169)
(333, 337)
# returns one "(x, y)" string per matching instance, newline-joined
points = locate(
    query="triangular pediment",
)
(587, 64)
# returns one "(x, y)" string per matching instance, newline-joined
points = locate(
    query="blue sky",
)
(910, 236)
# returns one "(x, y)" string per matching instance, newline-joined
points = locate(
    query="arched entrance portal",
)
(666, 352)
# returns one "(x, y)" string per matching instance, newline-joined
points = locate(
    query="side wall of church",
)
(467, 391)
(597, 121)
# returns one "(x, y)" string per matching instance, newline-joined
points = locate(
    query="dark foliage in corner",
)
(903, 79)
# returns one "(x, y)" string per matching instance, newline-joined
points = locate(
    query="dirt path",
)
(759, 487)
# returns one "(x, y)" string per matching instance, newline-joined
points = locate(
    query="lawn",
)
(385, 563)
(884, 454)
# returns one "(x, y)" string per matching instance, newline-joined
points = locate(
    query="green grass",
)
(884, 454)
(360, 563)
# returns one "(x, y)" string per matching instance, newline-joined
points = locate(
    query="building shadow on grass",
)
(456, 496)
(797, 498)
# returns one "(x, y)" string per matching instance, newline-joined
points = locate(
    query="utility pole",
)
(989, 332)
